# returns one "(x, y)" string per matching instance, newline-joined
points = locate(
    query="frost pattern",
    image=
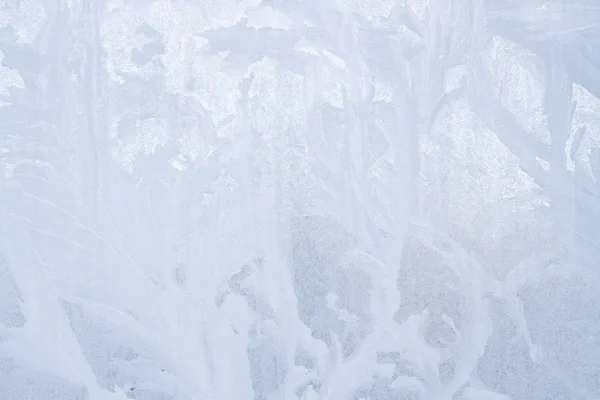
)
(333, 200)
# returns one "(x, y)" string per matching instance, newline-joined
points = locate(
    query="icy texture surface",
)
(299, 199)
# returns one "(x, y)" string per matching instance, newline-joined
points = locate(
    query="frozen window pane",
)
(336, 200)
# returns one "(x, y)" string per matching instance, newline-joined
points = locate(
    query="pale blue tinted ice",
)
(299, 199)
